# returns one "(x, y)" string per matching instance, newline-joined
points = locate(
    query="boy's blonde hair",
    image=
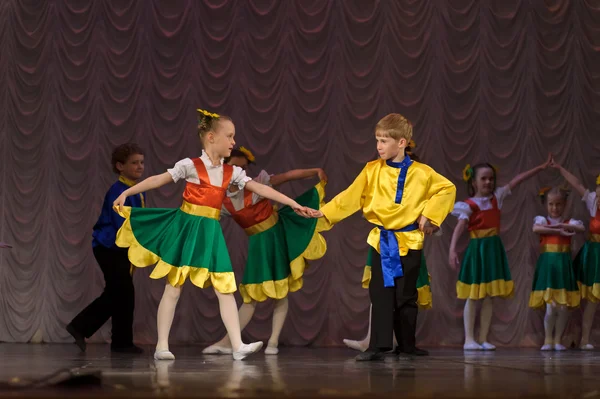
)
(395, 126)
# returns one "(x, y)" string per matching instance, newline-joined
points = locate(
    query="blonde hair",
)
(563, 192)
(208, 122)
(395, 126)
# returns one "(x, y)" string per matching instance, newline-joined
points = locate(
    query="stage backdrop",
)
(305, 82)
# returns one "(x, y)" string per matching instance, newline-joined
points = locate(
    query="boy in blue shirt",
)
(118, 299)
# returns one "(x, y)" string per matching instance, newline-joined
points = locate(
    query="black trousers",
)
(117, 300)
(394, 308)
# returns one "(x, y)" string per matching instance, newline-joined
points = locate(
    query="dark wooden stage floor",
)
(298, 372)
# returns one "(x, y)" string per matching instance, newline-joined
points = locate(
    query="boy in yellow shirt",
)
(405, 200)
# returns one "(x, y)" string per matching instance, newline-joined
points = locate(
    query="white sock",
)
(485, 320)
(360, 346)
(469, 322)
(549, 323)
(559, 329)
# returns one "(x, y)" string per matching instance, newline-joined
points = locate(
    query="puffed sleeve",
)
(462, 211)
(540, 221)
(181, 170)
(239, 178)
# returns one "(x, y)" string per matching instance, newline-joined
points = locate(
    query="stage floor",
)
(301, 372)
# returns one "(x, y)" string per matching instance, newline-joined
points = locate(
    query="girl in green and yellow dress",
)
(587, 261)
(554, 284)
(279, 245)
(188, 242)
(484, 271)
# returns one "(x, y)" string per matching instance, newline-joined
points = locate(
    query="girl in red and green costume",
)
(554, 283)
(484, 271)
(189, 242)
(587, 261)
(280, 242)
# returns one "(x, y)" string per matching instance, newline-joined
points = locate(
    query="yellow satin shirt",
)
(425, 192)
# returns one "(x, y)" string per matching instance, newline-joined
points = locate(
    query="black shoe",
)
(398, 351)
(419, 352)
(79, 339)
(132, 349)
(368, 356)
(412, 354)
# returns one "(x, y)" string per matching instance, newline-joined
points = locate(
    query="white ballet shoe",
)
(217, 350)
(271, 350)
(164, 355)
(356, 345)
(246, 350)
(472, 346)
(559, 347)
(547, 347)
(486, 346)
(587, 347)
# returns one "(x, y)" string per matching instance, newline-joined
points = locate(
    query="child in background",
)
(118, 298)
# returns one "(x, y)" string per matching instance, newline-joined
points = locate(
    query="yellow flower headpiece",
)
(467, 173)
(411, 147)
(248, 154)
(208, 114)
(544, 191)
(598, 180)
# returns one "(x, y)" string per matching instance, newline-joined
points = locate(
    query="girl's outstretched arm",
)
(570, 178)
(521, 177)
(148, 184)
(297, 174)
(272, 194)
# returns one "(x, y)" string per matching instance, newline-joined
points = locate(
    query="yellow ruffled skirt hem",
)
(496, 288)
(269, 289)
(591, 294)
(176, 275)
(539, 299)
(425, 300)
